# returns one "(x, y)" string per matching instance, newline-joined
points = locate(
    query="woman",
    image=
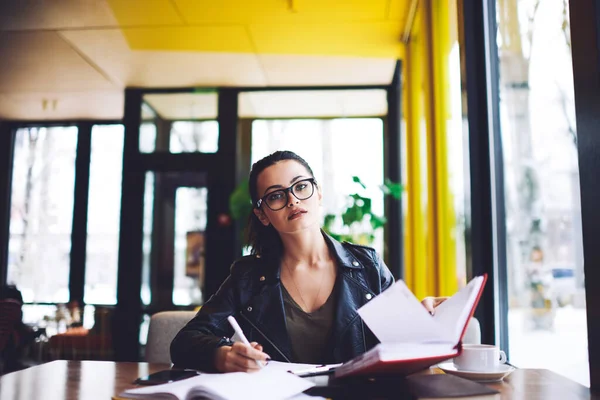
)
(297, 294)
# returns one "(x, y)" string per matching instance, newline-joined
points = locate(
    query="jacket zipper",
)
(265, 336)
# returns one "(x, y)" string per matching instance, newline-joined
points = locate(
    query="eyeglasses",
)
(277, 199)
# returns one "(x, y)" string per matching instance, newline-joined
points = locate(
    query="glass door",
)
(175, 221)
(179, 163)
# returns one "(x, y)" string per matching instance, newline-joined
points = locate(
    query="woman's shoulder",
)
(373, 265)
(363, 253)
(243, 264)
(248, 266)
(359, 248)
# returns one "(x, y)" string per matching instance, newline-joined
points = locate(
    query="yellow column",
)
(415, 248)
(441, 221)
(447, 277)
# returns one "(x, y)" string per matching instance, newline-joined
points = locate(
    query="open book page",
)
(396, 315)
(264, 385)
(453, 314)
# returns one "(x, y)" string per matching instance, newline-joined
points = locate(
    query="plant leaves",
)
(240, 204)
(357, 180)
(377, 222)
(328, 222)
(393, 189)
(352, 214)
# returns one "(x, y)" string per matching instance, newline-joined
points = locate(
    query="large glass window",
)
(543, 216)
(104, 206)
(42, 212)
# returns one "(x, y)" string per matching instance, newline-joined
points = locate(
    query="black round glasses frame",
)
(285, 191)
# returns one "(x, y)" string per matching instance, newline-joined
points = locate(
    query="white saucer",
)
(498, 374)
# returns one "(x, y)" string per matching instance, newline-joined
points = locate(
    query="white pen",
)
(238, 331)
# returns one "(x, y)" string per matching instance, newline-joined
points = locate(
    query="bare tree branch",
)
(564, 101)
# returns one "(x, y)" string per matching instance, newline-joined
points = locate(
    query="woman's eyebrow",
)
(279, 186)
(296, 178)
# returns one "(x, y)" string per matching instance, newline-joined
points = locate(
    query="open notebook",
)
(267, 384)
(411, 339)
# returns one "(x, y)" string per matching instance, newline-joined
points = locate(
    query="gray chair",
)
(473, 333)
(163, 328)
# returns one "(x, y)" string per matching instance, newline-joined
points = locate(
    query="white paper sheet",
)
(396, 315)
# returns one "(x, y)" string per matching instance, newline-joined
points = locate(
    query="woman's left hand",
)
(430, 303)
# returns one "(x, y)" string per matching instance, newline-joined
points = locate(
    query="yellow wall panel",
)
(281, 11)
(145, 12)
(190, 38)
(398, 10)
(360, 39)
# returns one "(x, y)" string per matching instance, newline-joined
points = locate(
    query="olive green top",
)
(310, 333)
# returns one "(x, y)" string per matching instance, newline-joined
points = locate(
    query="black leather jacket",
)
(252, 293)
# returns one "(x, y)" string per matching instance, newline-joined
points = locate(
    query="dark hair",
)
(265, 240)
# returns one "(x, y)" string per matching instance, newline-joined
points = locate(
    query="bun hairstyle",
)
(265, 240)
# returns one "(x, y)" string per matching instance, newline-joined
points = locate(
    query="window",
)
(180, 123)
(42, 212)
(146, 290)
(190, 228)
(543, 216)
(104, 211)
(188, 136)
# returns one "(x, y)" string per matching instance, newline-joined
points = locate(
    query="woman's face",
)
(297, 214)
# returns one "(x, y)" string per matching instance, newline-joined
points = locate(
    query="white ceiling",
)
(68, 59)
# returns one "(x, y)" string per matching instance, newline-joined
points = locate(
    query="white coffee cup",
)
(479, 357)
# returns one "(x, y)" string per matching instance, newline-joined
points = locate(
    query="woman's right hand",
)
(240, 358)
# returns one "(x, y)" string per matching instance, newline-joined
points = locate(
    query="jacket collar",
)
(344, 257)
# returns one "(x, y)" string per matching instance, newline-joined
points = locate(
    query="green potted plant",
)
(359, 222)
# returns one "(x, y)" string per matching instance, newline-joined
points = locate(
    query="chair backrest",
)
(473, 333)
(163, 328)
(10, 316)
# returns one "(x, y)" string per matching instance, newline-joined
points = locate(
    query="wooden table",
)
(69, 380)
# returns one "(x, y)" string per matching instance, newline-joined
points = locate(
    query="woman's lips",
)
(296, 214)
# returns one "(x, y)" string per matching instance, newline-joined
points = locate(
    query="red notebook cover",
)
(404, 366)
